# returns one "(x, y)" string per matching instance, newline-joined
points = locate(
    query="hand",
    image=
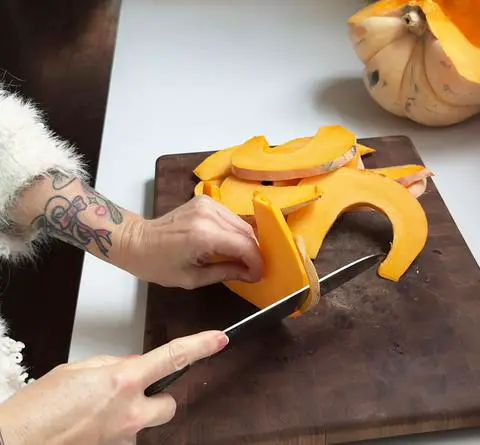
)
(100, 400)
(199, 243)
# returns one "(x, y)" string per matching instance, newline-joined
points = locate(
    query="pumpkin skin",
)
(421, 57)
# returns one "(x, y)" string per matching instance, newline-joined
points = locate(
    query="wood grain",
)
(387, 358)
(59, 54)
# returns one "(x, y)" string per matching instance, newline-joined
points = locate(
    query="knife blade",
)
(281, 309)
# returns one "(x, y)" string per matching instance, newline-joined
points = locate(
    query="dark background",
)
(58, 53)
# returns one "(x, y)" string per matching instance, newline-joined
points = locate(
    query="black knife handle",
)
(161, 384)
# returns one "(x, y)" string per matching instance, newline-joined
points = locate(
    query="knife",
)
(281, 309)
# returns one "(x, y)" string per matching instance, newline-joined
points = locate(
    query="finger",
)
(218, 272)
(234, 220)
(241, 249)
(158, 409)
(177, 354)
(224, 215)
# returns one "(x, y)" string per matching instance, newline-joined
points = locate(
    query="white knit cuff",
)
(28, 149)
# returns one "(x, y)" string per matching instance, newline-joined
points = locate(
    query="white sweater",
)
(28, 149)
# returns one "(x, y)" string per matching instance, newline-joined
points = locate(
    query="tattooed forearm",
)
(75, 217)
(104, 207)
(61, 219)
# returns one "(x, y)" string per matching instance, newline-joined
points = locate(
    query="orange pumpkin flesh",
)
(237, 195)
(212, 189)
(331, 147)
(284, 270)
(200, 186)
(364, 150)
(218, 164)
(404, 174)
(346, 188)
(310, 218)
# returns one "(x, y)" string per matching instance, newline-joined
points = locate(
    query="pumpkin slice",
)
(199, 187)
(364, 150)
(291, 146)
(237, 195)
(218, 164)
(356, 162)
(346, 188)
(284, 270)
(313, 298)
(404, 174)
(332, 147)
(212, 189)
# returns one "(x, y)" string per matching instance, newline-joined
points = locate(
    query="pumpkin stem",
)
(415, 20)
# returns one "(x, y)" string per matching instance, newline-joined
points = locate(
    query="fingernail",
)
(222, 340)
(131, 356)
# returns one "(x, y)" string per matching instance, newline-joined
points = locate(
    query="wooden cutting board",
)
(388, 359)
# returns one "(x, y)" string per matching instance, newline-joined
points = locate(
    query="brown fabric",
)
(396, 353)
(58, 53)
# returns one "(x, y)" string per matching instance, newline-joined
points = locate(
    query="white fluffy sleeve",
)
(28, 149)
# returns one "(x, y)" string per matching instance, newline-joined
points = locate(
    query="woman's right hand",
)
(101, 400)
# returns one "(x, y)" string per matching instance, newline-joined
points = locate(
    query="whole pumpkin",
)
(422, 57)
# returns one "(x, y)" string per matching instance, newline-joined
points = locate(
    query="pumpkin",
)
(421, 57)
(412, 177)
(212, 189)
(404, 174)
(284, 267)
(330, 148)
(199, 187)
(237, 195)
(218, 164)
(346, 188)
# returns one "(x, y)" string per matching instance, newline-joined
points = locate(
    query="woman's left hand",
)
(199, 243)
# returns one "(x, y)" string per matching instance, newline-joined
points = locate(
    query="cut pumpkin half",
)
(331, 147)
(346, 188)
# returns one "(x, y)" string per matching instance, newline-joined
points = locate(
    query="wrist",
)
(131, 237)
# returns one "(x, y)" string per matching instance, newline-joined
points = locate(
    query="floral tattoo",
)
(62, 216)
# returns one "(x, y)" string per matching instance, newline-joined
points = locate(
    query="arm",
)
(67, 208)
(44, 194)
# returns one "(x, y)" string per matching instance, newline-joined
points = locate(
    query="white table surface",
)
(194, 75)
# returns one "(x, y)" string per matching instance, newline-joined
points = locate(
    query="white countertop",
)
(195, 75)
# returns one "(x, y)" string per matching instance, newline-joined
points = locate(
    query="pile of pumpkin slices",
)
(293, 193)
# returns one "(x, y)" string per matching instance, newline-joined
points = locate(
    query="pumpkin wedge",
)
(199, 187)
(212, 189)
(346, 188)
(313, 298)
(364, 150)
(237, 195)
(218, 164)
(332, 147)
(291, 146)
(284, 270)
(404, 174)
